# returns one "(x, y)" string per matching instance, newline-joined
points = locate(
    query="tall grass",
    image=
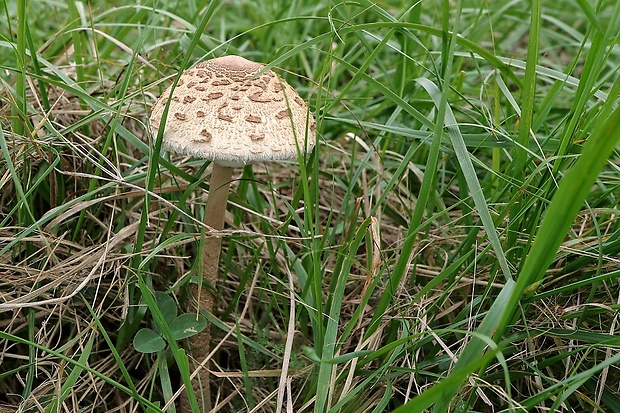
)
(450, 245)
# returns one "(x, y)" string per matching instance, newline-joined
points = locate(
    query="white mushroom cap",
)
(223, 112)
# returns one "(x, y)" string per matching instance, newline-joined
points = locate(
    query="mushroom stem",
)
(205, 300)
(214, 218)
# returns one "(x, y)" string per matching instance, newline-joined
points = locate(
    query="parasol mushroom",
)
(229, 111)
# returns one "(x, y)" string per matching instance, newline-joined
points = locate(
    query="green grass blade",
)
(477, 347)
(324, 380)
(528, 106)
(528, 103)
(469, 172)
(71, 379)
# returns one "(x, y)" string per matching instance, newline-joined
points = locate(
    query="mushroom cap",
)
(223, 111)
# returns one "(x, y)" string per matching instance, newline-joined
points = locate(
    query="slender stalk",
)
(20, 112)
(203, 298)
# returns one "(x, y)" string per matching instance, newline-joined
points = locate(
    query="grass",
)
(451, 244)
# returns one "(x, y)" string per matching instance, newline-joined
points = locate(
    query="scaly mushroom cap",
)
(222, 111)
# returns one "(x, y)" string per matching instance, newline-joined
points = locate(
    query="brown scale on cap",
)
(222, 82)
(224, 110)
(253, 119)
(205, 135)
(260, 97)
(215, 95)
(261, 84)
(222, 115)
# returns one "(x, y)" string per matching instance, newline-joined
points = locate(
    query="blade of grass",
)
(591, 15)
(247, 381)
(19, 113)
(470, 175)
(115, 354)
(164, 379)
(528, 90)
(79, 49)
(67, 385)
(23, 197)
(340, 277)
(525, 125)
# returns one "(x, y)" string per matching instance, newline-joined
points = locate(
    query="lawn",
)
(451, 243)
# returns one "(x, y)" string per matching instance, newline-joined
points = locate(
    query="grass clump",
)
(450, 245)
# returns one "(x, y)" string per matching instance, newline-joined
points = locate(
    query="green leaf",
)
(187, 325)
(148, 341)
(310, 352)
(347, 357)
(166, 305)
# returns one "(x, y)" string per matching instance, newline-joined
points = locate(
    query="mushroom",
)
(229, 111)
